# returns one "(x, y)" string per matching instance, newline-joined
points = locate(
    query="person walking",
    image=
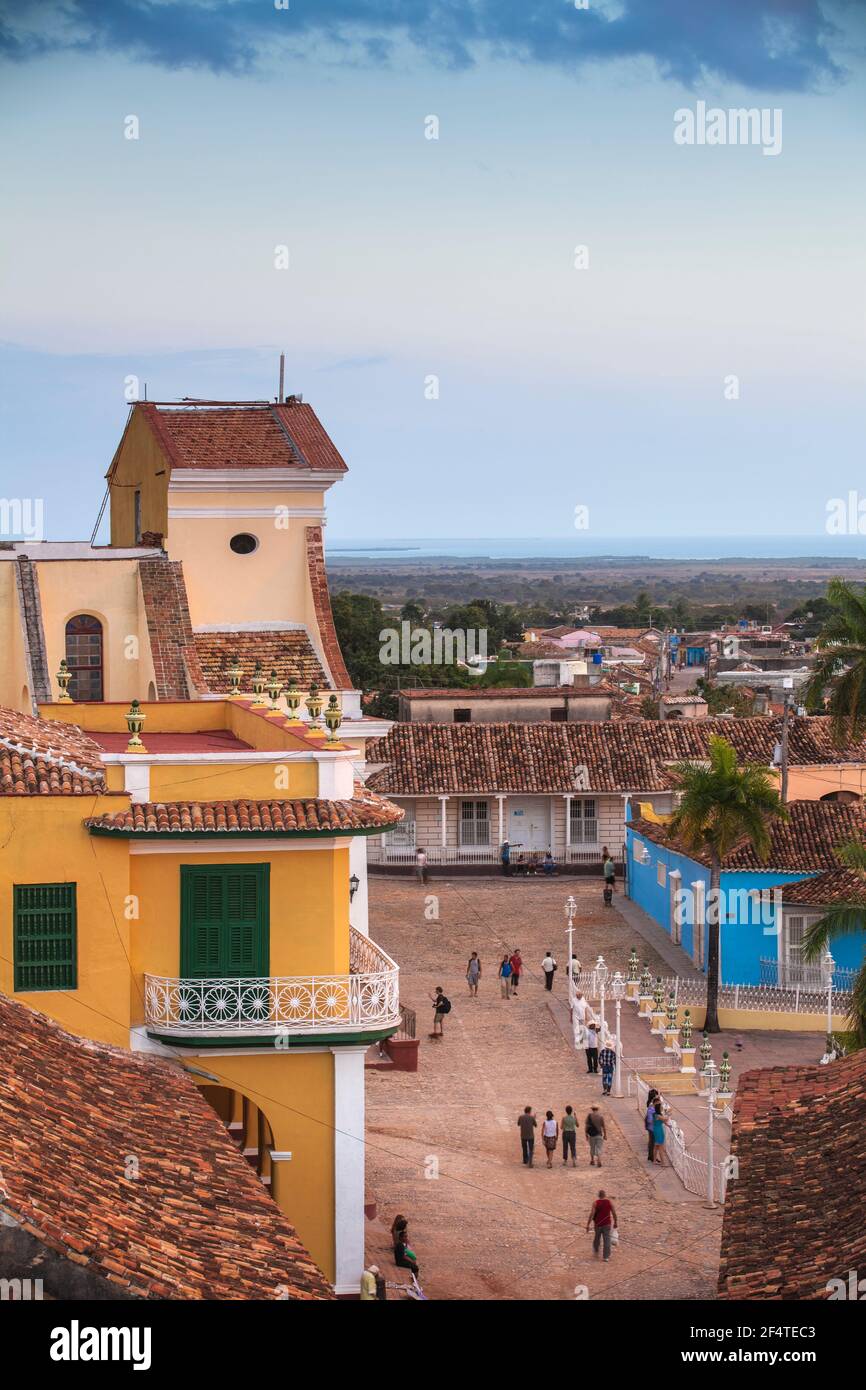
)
(603, 1217)
(591, 1047)
(516, 963)
(659, 1125)
(649, 1118)
(421, 865)
(596, 1133)
(549, 1136)
(548, 965)
(505, 977)
(473, 974)
(609, 870)
(527, 1124)
(505, 857)
(372, 1285)
(568, 1128)
(441, 1007)
(607, 1062)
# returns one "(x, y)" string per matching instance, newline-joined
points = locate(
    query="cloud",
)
(765, 45)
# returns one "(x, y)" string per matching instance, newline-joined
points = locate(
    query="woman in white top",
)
(549, 1136)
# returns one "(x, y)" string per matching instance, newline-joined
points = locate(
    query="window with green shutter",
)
(44, 936)
(224, 921)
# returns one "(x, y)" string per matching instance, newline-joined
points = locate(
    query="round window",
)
(244, 544)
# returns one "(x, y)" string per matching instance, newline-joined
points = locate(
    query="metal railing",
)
(798, 999)
(381, 849)
(408, 1023)
(779, 974)
(366, 998)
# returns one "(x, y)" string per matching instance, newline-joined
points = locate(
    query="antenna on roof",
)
(282, 376)
(145, 390)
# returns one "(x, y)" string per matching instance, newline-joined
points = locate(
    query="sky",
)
(696, 369)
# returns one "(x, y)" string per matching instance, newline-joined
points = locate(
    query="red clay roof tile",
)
(365, 811)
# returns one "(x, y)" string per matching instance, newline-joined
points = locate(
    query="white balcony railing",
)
(367, 999)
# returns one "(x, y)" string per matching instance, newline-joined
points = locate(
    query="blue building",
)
(763, 918)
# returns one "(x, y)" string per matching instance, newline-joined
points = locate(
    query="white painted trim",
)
(280, 1155)
(184, 842)
(298, 479)
(349, 1187)
(264, 513)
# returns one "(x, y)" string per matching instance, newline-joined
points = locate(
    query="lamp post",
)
(354, 885)
(617, 989)
(711, 1076)
(828, 965)
(570, 914)
(601, 974)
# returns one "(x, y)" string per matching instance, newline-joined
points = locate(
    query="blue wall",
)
(748, 932)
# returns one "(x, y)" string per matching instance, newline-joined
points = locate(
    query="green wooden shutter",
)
(201, 923)
(44, 936)
(224, 921)
(245, 937)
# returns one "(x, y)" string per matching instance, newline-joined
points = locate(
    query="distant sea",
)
(636, 547)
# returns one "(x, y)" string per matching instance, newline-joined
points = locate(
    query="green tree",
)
(840, 669)
(512, 674)
(845, 919)
(723, 805)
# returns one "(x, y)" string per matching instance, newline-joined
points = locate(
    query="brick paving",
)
(486, 1227)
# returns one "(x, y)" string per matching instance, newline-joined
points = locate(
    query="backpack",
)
(444, 1005)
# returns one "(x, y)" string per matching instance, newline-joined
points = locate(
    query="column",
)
(699, 928)
(500, 797)
(674, 881)
(567, 799)
(443, 822)
(358, 914)
(348, 1168)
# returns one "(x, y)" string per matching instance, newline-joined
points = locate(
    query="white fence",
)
(691, 1170)
(797, 999)
(398, 848)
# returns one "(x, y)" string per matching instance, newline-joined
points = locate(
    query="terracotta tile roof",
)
(545, 651)
(176, 665)
(806, 843)
(44, 757)
(621, 756)
(318, 579)
(683, 700)
(196, 1223)
(837, 885)
(290, 653)
(793, 1219)
(313, 816)
(243, 435)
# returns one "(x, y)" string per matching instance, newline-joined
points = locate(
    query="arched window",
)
(84, 657)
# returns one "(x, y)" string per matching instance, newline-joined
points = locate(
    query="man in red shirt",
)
(603, 1217)
(516, 963)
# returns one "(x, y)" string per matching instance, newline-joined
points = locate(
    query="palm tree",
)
(723, 805)
(845, 919)
(841, 664)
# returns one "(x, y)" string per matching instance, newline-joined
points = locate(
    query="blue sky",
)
(453, 258)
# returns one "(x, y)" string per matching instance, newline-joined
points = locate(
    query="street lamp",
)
(570, 914)
(601, 974)
(711, 1079)
(354, 885)
(617, 989)
(828, 965)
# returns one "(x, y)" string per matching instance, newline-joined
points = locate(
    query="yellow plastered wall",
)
(745, 1020)
(296, 1092)
(309, 910)
(811, 783)
(140, 464)
(107, 590)
(208, 781)
(44, 841)
(224, 588)
(15, 689)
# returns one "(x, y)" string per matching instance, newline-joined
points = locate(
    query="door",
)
(224, 921)
(529, 823)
